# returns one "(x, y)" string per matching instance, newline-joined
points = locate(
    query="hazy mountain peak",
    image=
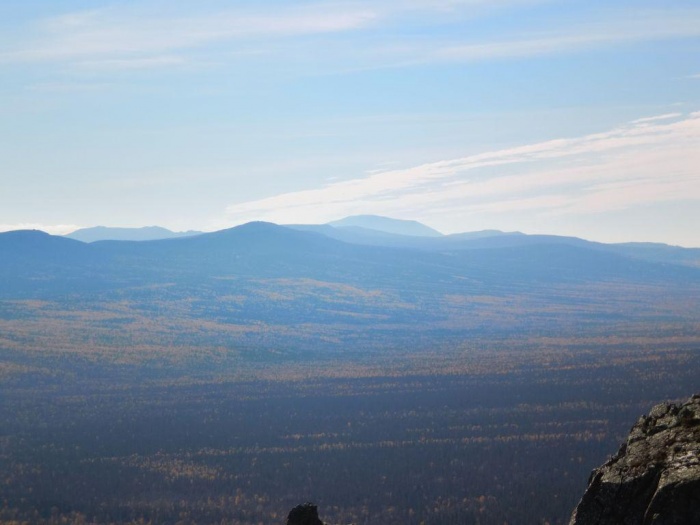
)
(250, 228)
(387, 224)
(107, 233)
(25, 233)
(258, 225)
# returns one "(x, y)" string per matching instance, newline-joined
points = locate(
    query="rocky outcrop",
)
(306, 514)
(655, 476)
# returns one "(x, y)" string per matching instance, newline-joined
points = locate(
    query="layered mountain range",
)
(376, 230)
(265, 286)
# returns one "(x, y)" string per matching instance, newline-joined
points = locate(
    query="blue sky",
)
(567, 117)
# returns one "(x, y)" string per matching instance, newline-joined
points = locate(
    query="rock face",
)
(306, 514)
(655, 476)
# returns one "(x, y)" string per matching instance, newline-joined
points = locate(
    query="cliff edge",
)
(655, 476)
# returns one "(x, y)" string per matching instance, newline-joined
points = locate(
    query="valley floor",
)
(490, 433)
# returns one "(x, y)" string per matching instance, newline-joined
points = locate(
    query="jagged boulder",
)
(654, 479)
(306, 514)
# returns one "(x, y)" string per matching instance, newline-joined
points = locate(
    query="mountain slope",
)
(35, 250)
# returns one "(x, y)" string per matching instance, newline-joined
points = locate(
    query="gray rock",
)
(306, 514)
(654, 479)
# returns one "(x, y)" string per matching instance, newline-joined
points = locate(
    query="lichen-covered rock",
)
(306, 514)
(654, 479)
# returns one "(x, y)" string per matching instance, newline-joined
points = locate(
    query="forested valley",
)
(226, 378)
(499, 440)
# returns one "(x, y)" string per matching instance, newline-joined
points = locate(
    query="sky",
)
(543, 116)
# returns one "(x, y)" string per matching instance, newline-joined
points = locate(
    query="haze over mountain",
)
(655, 252)
(387, 225)
(375, 230)
(146, 233)
(300, 284)
(305, 248)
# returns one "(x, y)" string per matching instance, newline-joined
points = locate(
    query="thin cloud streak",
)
(123, 38)
(645, 26)
(657, 118)
(649, 160)
(135, 63)
(108, 32)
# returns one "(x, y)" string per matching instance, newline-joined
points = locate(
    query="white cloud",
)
(652, 159)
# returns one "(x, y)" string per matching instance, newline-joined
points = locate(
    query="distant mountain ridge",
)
(476, 240)
(146, 233)
(386, 232)
(387, 225)
(261, 286)
(266, 249)
(294, 236)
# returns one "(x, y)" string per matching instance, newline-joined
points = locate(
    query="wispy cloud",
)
(618, 27)
(133, 63)
(649, 160)
(111, 32)
(139, 38)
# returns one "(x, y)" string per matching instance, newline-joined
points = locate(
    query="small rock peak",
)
(654, 479)
(305, 514)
